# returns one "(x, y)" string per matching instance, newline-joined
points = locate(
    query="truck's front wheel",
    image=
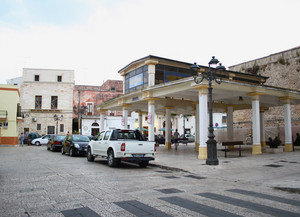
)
(90, 157)
(111, 160)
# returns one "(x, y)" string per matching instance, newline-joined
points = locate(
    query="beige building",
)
(10, 114)
(47, 101)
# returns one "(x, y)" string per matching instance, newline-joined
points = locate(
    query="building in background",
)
(10, 114)
(85, 114)
(47, 101)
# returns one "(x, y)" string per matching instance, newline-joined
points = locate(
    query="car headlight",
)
(77, 145)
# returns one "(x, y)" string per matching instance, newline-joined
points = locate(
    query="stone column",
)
(140, 121)
(203, 122)
(256, 147)
(151, 71)
(262, 128)
(125, 115)
(151, 119)
(168, 143)
(288, 143)
(230, 123)
(102, 118)
(197, 127)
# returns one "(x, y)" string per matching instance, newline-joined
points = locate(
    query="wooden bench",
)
(233, 143)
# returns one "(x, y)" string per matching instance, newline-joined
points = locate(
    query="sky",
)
(96, 38)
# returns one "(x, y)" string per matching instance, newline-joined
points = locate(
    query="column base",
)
(256, 149)
(168, 145)
(197, 146)
(288, 147)
(202, 153)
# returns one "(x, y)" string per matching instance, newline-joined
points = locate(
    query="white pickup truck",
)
(125, 145)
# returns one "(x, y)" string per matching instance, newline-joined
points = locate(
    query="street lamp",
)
(56, 118)
(209, 76)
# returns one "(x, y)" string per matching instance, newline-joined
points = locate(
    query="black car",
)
(30, 137)
(160, 139)
(55, 142)
(75, 145)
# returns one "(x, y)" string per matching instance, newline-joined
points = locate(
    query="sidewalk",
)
(273, 170)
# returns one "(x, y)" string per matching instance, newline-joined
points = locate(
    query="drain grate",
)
(273, 165)
(169, 190)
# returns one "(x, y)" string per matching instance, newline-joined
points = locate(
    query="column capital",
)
(151, 62)
(200, 86)
(255, 94)
(151, 99)
(126, 105)
(263, 109)
(286, 99)
(168, 107)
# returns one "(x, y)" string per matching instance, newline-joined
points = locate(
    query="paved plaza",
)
(37, 182)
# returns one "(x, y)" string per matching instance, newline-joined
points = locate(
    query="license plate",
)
(138, 155)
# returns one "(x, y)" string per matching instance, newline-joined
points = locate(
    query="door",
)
(104, 143)
(97, 144)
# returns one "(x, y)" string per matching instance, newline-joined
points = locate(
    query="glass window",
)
(61, 128)
(59, 78)
(38, 127)
(38, 102)
(107, 134)
(54, 100)
(100, 137)
(36, 78)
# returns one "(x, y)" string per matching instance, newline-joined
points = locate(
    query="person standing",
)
(22, 139)
(176, 136)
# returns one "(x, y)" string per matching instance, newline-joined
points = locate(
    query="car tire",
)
(111, 161)
(62, 150)
(37, 143)
(144, 164)
(71, 152)
(89, 155)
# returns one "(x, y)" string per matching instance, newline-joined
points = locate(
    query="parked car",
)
(75, 145)
(160, 139)
(122, 145)
(30, 137)
(55, 142)
(186, 138)
(41, 141)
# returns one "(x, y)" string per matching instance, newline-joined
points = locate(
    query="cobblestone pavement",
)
(37, 182)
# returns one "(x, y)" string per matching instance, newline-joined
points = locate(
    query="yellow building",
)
(10, 114)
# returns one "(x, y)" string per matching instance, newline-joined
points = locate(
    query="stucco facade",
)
(86, 98)
(45, 93)
(10, 114)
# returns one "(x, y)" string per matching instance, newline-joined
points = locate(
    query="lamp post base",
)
(212, 158)
(213, 162)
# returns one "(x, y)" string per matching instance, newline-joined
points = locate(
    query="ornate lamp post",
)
(56, 118)
(209, 76)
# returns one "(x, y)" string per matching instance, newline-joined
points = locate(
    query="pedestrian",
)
(68, 133)
(22, 139)
(297, 141)
(176, 136)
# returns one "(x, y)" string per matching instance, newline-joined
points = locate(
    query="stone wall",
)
(283, 70)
